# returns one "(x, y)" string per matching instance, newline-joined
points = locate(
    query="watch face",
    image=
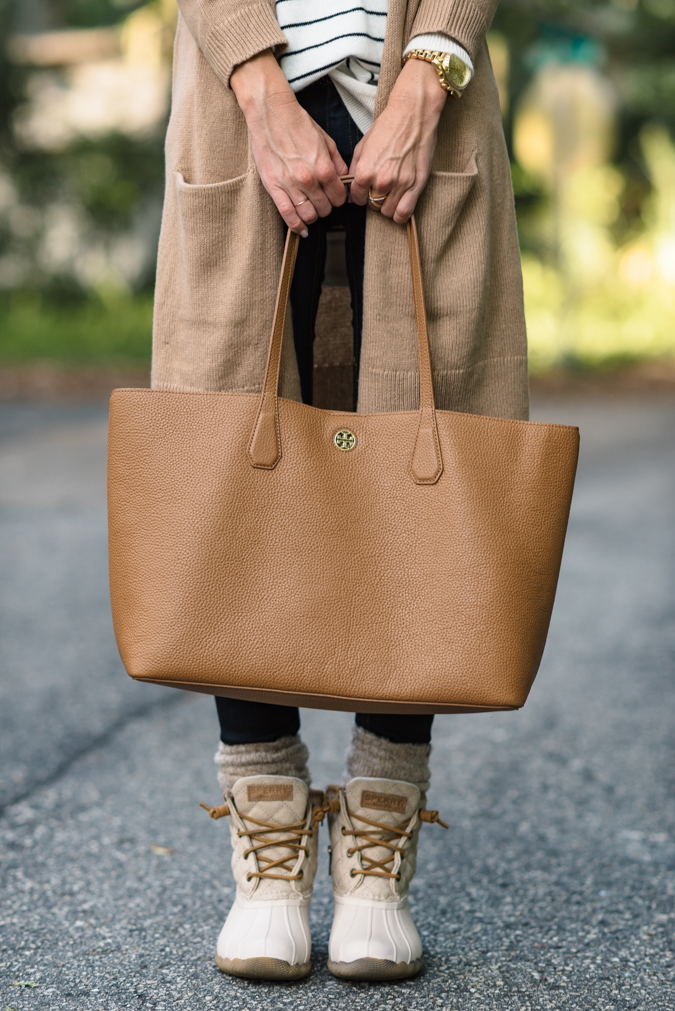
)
(456, 71)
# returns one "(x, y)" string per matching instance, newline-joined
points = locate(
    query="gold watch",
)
(453, 72)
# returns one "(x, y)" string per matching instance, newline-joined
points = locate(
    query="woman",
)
(272, 103)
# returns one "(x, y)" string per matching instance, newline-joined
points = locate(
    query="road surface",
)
(554, 886)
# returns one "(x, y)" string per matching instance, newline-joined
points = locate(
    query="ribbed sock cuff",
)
(373, 756)
(286, 757)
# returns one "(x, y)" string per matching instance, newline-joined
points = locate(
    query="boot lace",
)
(270, 868)
(377, 834)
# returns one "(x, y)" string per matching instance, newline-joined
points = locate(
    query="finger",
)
(390, 205)
(307, 183)
(306, 210)
(339, 164)
(335, 191)
(379, 188)
(360, 187)
(396, 192)
(406, 206)
(356, 157)
(289, 212)
(331, 186)
(321, 203)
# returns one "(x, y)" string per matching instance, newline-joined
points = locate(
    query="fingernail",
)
(304, 233)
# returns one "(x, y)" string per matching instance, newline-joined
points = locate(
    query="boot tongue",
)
(388, 801)
(281, 800)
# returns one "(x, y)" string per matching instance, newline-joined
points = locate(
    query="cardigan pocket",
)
(212, 249)
(447, 193)
(448, 235)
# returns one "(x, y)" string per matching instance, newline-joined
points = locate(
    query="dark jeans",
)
(326, 108)
(254, 722)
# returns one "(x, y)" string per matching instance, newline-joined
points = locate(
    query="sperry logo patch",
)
(383, 801)
(269, 791)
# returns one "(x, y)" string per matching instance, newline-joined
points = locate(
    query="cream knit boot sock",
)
(374, 757)
(285, 757)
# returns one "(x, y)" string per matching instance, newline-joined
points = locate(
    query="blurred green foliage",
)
(96, 329)
(108, 177)
(94, 13)
(633, 43)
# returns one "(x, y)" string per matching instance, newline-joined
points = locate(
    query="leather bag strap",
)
(265, 444)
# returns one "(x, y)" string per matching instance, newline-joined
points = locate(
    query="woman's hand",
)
(395, 155)
(298, 162)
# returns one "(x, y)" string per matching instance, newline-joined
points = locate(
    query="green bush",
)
(97, 330)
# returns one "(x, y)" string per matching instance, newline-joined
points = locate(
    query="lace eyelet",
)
(301, 874)
(343, 831)
(248, 877)
(350, 853)
(352, 873)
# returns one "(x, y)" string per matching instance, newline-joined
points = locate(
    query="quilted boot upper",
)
(265, 810)
(389, 858)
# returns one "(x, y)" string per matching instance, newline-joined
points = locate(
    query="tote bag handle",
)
(264, 447)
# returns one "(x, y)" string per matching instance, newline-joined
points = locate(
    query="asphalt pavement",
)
(553, 887)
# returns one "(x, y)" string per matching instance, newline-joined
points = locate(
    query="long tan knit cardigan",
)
(222, 238)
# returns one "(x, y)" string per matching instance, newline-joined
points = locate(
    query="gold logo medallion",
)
(344, 440)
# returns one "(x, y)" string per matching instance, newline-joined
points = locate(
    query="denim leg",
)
(243, 722)
(355, 248)
(399, 728)
(323, 103)
(305, 294)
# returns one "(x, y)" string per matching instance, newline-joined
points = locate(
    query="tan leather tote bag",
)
(264, 549)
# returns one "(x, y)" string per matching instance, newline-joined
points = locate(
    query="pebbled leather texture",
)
(334, 576)
(250, 557)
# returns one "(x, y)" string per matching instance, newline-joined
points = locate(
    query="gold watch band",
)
(453, 73)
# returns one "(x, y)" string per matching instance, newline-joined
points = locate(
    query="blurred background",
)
(588, 99)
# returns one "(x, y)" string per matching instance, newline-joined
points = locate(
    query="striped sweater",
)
(344, 39)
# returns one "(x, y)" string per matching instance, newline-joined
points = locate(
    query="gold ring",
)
(376, 199)
(302, 202)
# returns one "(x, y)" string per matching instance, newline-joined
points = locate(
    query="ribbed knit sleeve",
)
(229, 32)
(465, 21)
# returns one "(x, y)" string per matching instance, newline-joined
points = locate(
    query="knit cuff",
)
(465, 21)
(238, 39)
(284, 757)
(437, 42)
(375, 757)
